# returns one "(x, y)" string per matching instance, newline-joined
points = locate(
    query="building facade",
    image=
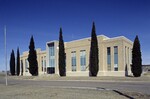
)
(114, 57)
(41, 59)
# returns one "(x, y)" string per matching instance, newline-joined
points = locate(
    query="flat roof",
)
(120, 37)
(87, 38)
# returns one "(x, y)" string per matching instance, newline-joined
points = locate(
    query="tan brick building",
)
(41, 58)
(114, 56)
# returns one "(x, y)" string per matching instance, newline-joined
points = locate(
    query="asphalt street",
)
(140, 87)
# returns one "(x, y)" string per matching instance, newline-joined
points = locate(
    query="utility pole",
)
(5, 53)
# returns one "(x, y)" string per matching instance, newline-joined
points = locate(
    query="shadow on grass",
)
(116, 91)
(129, 76)
(120, 93)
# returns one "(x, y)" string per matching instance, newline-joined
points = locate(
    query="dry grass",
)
(37, 92)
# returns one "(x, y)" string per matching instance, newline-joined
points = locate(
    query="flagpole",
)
(5, 53)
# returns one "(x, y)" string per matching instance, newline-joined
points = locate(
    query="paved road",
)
(141, 87)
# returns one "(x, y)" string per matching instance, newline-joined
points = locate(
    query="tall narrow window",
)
(52, 56)
(115, 58)
(108, 59)
(73, 60)
(83, 60)
(42, 63)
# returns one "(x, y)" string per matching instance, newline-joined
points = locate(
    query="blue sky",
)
(43, 18)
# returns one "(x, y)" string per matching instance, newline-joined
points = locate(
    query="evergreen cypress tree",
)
(94, 61)
(18, 62)
(21, 68)
(62, 65)
(12, 63)
(136, 58)
(32, 58)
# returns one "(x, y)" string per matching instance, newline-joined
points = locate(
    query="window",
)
(42, 63)
(115, 58)
(51, 56)
(108, 59)
(73, 60)
(83, 60)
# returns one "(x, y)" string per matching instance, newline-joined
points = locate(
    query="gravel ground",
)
(37, 92)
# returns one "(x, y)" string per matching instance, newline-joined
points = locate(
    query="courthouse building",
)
(114, 57)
